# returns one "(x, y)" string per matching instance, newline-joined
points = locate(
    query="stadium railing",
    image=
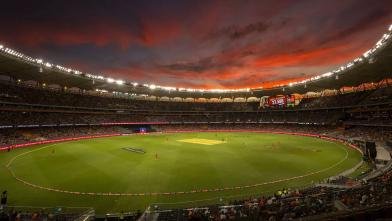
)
(49, 213)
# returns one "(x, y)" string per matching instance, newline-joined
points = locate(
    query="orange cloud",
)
(318, 56)
(153, 32)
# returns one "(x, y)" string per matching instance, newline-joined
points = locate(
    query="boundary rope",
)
(8, 166)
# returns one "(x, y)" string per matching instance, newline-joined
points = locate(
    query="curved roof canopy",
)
(373, 66)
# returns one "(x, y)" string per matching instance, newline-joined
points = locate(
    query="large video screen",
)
(281, 101)
(277, 101)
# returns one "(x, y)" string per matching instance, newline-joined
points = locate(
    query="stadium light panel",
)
(119, 82)
(327, 74)
(366, 54)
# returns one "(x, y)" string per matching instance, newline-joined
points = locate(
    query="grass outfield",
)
(172, 163)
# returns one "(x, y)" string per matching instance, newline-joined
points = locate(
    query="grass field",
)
(172, 163)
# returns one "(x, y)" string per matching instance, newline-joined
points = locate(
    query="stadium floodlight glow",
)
(47, 64)
(167, 88)
(367, 53)
(39, 61)
(110, 80)
(327, 74)
(1, 46)
(134, 84)
(380, 42)
(390, 28)
(101, 90)
(119, 82)
(152, 86)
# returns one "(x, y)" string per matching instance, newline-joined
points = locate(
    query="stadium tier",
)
(38, 116)
(265, 144)
(35, 115)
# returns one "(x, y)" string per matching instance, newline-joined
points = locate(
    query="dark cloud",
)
(198, 43)
(235, 32)
(380, 15)
(202, 65)
(199, 66)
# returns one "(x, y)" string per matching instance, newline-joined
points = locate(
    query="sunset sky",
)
(198, 44)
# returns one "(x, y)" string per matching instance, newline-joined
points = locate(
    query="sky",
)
(196, 44)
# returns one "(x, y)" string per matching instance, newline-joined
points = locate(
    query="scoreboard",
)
(277, 101)
(281, 101)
